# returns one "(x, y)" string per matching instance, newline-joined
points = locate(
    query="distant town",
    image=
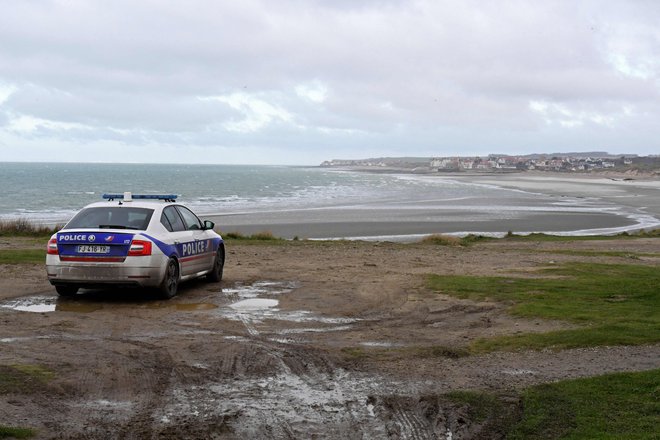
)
(556, 162)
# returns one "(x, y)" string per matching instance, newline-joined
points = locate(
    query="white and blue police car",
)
(134, 240)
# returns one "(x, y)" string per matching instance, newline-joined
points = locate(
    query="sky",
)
(302, 81)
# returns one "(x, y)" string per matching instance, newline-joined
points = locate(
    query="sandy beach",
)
(573, 204)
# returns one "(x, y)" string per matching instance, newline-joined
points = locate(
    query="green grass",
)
(587, 253)
(23, 378)
(537, 236)
(494, 414)
(390, 353)
(17, 256)
(437, 351)
(35, 371)
(259, 236)
(480, 403)
(612, 304)
(15, 432)
(616, 406)
(450, 240)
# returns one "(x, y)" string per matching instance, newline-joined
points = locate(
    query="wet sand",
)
(585, 205)
(635, 193)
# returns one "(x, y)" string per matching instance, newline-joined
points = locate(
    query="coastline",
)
(618, 206)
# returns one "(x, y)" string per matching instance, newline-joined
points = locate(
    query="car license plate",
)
(93, 249)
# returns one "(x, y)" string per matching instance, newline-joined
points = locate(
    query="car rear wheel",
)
(66, 290)
(170, 284)
(218, 267)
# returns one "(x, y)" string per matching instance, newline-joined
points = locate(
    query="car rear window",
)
(116, 217)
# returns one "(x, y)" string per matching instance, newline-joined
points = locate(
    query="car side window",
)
(165, 222)
(172, 217)
(189, 218)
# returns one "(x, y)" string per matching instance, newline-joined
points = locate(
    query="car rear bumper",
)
(96, 274)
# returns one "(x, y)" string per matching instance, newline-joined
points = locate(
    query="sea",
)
(51, 193)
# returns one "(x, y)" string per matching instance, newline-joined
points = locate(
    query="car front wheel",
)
(170, 284)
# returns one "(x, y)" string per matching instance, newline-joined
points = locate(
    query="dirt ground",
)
(300, 340)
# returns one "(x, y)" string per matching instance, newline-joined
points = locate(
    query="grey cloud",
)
(399, 74)
(119, 109)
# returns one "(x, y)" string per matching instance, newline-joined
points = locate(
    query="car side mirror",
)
(208, 224)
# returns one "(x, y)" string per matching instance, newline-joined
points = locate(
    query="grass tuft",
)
(15, 432)
(652, 233)
(481, 404)
(259, 236)
(441, 351)
(25, 228)
(442, 240)
(449, 240)
(23, 378)
(263, 235)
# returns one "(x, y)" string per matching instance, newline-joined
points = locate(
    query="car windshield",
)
(115, 217)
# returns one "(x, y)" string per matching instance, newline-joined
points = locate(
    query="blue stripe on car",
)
(178, 249)
(167, 249)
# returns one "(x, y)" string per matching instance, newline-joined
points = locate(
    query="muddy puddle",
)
(253, 298)
(255, 305)
(47, 304)
(261, 300)
(35, 304)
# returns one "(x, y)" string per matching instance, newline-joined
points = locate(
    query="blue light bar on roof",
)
(166, 197)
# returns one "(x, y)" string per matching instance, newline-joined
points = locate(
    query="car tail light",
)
(139, 248)
(51, 249)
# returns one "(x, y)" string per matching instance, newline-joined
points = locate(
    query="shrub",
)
(26, 228)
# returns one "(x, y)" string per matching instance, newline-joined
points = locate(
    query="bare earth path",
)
(301, 340)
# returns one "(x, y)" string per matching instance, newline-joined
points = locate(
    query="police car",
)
(134, 240)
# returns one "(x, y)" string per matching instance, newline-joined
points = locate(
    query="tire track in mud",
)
(409, 425)
(301, 377)
(285, 368)
(116, 400)
(249, 326)
(400, 421)
(162, 369)
(300, 368)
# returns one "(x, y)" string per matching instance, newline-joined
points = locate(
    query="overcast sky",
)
(299, 82)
